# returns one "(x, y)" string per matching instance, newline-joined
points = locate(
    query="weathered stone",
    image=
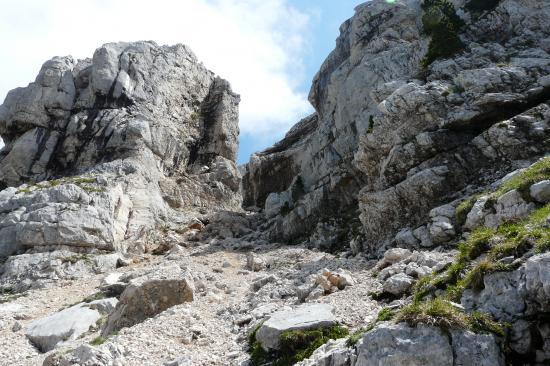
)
(475, 349)
(398, 284)
(541, 191)
(399, 344)
(332, 353)
(396, 345)
(28, 271)
(50, 332)
(395, 255)
(537, 279)
(108, 354)
(254, 262)
(307, 316)
(149, 295)
(128, 132)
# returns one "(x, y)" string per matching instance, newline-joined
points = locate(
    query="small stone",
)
(398, 284)
(254, 263)
(395, 255)
(16, 327)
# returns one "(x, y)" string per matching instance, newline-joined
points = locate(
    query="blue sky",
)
(269, 50)
(326, 16)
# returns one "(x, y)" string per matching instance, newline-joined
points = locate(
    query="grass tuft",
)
(97, 341)
(385, 314)
(523, 181)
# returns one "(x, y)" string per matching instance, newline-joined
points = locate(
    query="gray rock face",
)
(399, 344)
(394, 345)
(306, 316)
(119, 140)
(475, 349)
(149, 295)
(514, 297)
(332, 353)
(541, 191)
(397, 141)
(50, 332)
(35, 270)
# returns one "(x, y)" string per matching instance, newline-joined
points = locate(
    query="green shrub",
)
(295, 345)
(445, 315)
(479, 322)
(443, 25)
(474, 278)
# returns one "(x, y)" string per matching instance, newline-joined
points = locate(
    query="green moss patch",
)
(295, 345)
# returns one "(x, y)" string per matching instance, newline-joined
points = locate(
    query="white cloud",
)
(256, 44)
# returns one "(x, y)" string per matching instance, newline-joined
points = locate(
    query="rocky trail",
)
(213, 329)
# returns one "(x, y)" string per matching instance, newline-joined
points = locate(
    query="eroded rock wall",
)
(135, 136)
(394, 138)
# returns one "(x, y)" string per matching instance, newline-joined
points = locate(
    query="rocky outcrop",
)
(402, 345)
(397, 140)
(35, 270)
(102, 150)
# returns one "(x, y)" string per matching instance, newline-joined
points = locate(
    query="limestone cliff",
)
(394, 137)
(100, 151)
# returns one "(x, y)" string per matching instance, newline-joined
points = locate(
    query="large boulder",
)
(69, 324)
(149, 295)
(307, 316)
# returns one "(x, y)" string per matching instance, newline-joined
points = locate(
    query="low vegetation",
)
(462, 210)
(510, 239)
(295, 345)
(442, 23)
(525, 179)
(8, 296)
(446, 315)
(88, 184)
(98, 341)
